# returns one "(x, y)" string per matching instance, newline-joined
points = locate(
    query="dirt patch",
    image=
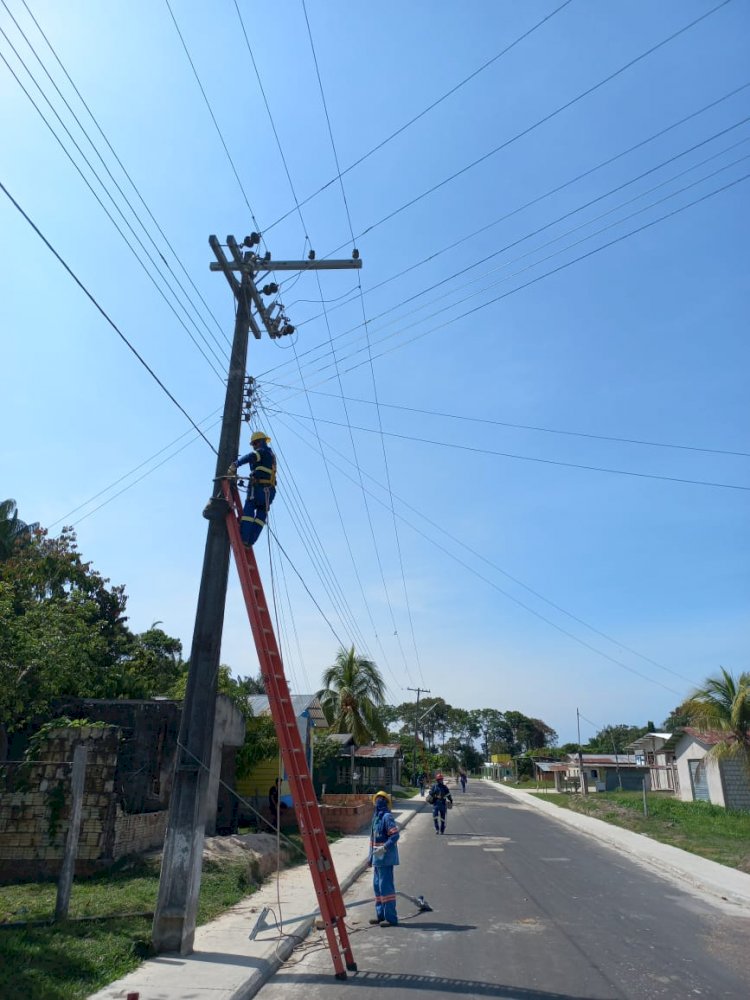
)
(258, 850)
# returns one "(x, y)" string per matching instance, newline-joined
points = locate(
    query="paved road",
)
(526, 909)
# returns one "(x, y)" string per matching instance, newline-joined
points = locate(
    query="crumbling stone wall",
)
(34, 816)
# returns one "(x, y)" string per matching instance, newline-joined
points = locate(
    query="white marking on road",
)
(554, 859)
(480, 840)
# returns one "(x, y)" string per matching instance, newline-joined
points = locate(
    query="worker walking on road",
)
(261, 489)
(441, 800)
(383, 857)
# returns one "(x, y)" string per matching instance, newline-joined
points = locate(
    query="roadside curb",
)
(673, 863)
(282, 951)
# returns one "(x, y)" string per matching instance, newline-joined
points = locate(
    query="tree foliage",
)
(723, 703)
(353, 693)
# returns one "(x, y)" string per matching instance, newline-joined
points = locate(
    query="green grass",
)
(69, 961)
(708, 830)
(406, 793)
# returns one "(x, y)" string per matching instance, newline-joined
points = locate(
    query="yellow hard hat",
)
(384, 795)
(259, 436)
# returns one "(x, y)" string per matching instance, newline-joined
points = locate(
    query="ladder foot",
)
(351, 966)
(340, 975)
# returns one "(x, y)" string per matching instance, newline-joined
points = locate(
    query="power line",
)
(540, 277)
(302, 221)
(567, 215)
(534, 232)
(524, 427)
(120, 164)
(416, 118)
(483, 558)
(516, 600)
(213, 116)
(111, 322)
(535, 125)
(529, 458)
(104, 207)
(374, 382)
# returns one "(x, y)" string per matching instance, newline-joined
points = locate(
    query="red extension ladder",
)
(309, 819)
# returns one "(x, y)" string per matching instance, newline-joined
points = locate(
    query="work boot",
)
(386, 923)
(374, 920)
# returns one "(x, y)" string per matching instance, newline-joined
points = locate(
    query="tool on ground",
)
(309, 819)
(260, 924)
(419, 901)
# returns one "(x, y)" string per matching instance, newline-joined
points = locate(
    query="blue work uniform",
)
(440, 796)
(261, 491)
(384, 832)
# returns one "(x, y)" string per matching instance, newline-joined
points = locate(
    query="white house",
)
(724, 782)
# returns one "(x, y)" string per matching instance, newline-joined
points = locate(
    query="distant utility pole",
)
(179, 885)
(582, 777)
(416, 723)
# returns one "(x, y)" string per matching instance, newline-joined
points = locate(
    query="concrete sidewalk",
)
(226, 964)
(708, 877)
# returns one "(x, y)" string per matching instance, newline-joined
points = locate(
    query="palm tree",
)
(12, 528)
(353, 692)
(723, 703)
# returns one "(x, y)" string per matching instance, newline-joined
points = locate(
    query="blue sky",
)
(530, 583)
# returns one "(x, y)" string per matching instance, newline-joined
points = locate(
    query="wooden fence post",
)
(65, 882)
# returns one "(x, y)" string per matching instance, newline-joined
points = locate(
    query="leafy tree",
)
(493, 729)
(723, 703)
(614, 739)
(529, 733)
(260, 744)
(152, 665)
(676, 719)
(62, 629)
(13, 530)
(352, 694)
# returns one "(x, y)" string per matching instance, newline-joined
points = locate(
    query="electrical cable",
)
(535, 125)
(464, 546)
(213, 116)
(527, 458)
(540, 277)
(516, 600)
(304, 227)
(111, 322)
(536, 231)
(374, 384)
(421, 114)
(104, 208)
(356, 570)
(524, 427)
(121, 165)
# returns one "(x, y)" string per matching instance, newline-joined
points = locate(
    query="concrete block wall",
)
(736, 783)
(138, 832)
(34, 819)
(346, 813)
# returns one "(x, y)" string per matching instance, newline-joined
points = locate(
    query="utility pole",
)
(582, 777)
(416, 723)
(179, 884)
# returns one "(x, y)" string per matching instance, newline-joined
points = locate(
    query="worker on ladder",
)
(261, 489)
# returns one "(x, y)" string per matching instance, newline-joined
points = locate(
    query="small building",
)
(656, 750)
(255, 785)
(551, 773)
(336, 774)
(607, 772)
(377, 766)
(705, 778)
(500, 767)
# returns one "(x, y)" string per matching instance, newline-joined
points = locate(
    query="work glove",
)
(379, 851)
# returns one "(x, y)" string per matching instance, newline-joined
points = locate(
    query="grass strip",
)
(708, 830)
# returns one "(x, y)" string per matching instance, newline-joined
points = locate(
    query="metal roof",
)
(647, 741)
(605, 759)
(301, 703)
(343, 738)
(708, 737)
(380, 750)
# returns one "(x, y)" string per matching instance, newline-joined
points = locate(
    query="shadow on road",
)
(405, 981)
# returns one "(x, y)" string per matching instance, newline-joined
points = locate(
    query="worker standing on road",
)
(463, 778)
(440, 797)
(261, 489)
(383, 857)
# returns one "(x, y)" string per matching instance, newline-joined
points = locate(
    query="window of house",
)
(594, 772)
